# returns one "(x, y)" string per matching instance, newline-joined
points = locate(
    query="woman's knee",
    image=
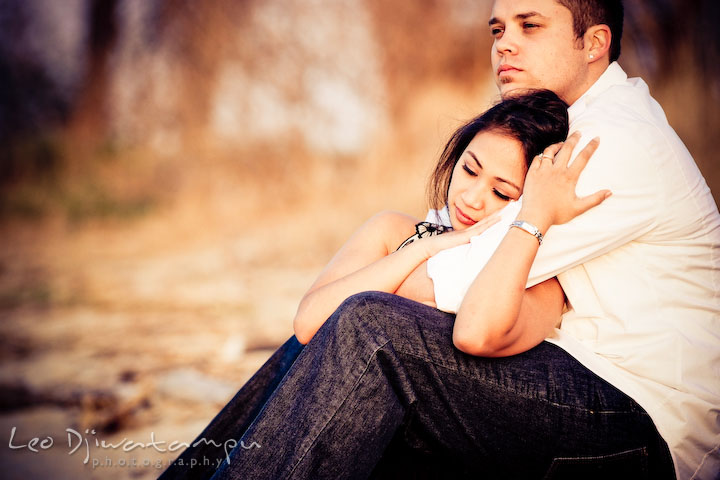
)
(364, 309)
(368, 300)
(385, 313)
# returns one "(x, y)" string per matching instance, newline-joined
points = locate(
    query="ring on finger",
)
(545, 155)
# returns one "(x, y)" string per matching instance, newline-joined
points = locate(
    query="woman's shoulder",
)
(394, 227)
(392, 218)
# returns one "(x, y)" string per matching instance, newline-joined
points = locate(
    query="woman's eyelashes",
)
(469, 170)
(497, 193)
(501, 196)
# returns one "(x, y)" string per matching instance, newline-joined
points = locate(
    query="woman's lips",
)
(462, 218)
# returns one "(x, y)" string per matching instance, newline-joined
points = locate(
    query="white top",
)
(641, 271)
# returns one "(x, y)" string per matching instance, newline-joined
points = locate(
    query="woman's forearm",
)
(385, 275)
(488, 322)
(364, 263)
(418, 286)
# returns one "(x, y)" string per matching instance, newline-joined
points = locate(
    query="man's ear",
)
(597, 42)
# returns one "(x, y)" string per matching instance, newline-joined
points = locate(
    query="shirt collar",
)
(613, 75)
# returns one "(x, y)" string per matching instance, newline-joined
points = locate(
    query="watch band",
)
(529, 228)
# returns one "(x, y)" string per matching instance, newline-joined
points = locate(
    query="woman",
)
(481, 170)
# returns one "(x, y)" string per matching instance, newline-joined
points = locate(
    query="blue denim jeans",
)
(381, 392)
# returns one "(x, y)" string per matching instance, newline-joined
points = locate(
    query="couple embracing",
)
(557, 315)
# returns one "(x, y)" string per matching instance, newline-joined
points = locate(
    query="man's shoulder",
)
(624, 110)
(631, 97)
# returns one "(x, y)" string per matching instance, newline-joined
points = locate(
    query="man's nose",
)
(506, 44)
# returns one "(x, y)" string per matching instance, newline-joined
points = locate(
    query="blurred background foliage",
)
(119, 108)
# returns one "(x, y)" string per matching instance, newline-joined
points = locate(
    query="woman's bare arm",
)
(490, 320)
(367, 262)
(541, 308)
(370, 243)
(499, 316)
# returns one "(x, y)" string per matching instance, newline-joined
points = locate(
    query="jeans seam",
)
(559, 462)
(357, 382)
(589, 458)
(522, 395)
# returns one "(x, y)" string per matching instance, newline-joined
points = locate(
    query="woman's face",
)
(488, 175)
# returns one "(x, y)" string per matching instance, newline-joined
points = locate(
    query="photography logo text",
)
(91, 447)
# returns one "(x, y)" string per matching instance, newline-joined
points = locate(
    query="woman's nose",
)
(474, 197)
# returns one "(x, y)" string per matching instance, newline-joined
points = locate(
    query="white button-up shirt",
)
(641, 271)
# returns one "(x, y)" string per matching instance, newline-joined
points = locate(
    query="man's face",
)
(535, 47)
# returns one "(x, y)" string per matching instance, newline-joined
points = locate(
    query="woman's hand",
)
(549, 194)
(436, 243)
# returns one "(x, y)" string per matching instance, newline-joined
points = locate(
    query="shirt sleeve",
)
(620, 164)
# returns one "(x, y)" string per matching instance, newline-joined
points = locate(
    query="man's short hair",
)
(587, 13)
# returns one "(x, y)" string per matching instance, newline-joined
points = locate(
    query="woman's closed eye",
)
(501, 195)
(469, 170)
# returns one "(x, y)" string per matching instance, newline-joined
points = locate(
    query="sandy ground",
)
(135, 334)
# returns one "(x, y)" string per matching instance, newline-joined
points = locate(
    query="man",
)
(627, 387)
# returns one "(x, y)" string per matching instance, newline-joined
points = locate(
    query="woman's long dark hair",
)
(536, 119)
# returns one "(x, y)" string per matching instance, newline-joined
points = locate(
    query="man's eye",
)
(530, 25)
(495, 31)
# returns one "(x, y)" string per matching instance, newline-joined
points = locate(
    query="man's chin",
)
(510, 90)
